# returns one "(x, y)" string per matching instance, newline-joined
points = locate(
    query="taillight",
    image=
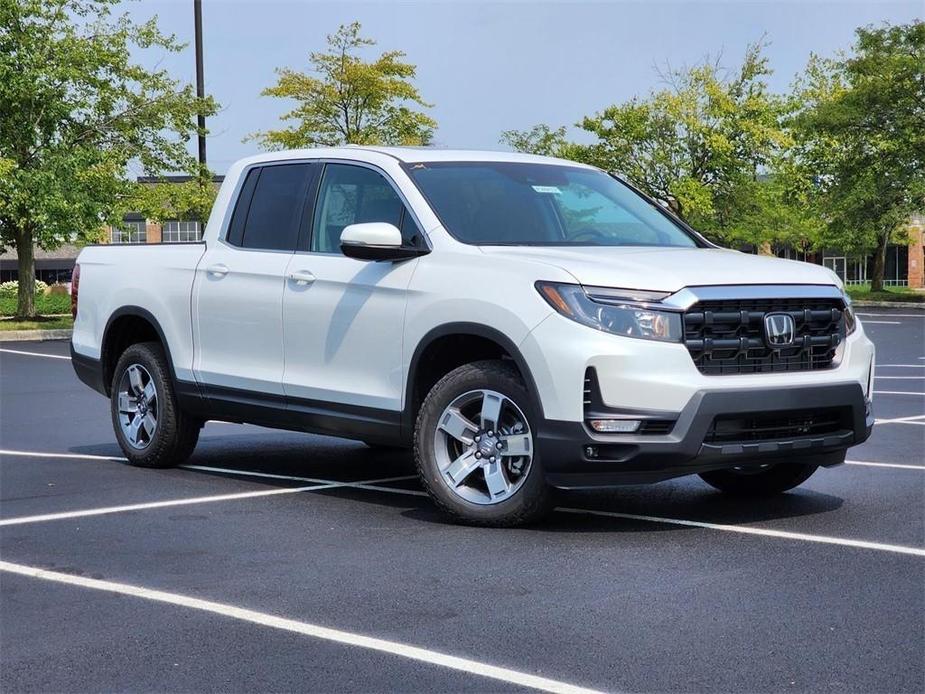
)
(75, 285)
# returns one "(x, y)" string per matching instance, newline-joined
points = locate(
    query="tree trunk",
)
(26, 252)
(876, 277)
(764, 248)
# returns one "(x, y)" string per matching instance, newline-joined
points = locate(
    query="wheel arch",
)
(490, 342)
(126, 326)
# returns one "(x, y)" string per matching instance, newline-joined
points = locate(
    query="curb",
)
(889, 304)
(34, 335)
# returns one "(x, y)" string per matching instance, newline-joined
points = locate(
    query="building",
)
(50, 266)
(58, 265)
(904, 262)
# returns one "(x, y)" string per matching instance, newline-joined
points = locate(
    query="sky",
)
(494, 66)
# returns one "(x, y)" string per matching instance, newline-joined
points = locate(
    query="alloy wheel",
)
(483, 447)
(137, 406)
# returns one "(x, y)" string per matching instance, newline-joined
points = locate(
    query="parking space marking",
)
(74, 456)
(882, 322)
(900, 378)
(765, 532)
(21, 520)
(898, 392)
(914, 420)
(373, 485)
(396, 648)
(894, 315)
(901, 466)
(273, 476)
(35, 354)
(902, 366)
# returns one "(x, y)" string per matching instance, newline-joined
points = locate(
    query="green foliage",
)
(62, 323)
(543, 140)
(863, 292)
(74, 111)
(9, 290)
(45, 304)
(699, 144)
(190, 200)
(859, 124)
(348, 100)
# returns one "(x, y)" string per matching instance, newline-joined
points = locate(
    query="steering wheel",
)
(588, 234)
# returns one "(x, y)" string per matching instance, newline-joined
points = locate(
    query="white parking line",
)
(894, 315)
(74, 456)
(902, 420)
(902, 366)
(899, 378)
(766, 532)
(373, 486)
(272, 476)
(161, 504)
(423, 655)
(882, 322)
(897, 392)
(894, 465)
(35, 354)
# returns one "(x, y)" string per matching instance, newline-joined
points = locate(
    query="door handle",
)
(302, 277)
(220, 270)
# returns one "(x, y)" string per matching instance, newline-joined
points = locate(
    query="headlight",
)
(851, 322)
(617, 316)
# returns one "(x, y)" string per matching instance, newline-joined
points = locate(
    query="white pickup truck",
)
(523, 323)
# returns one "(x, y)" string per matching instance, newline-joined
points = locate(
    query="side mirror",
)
(375, 241)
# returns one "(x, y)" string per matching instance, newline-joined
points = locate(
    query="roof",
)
(65, 252)
(174, 179)
(409, 155)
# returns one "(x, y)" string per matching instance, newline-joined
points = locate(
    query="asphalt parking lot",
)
(287, 562)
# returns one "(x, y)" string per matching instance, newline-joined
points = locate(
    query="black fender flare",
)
(138, 312)
(462, 328)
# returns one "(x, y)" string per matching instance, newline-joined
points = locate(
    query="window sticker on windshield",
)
(553, 190)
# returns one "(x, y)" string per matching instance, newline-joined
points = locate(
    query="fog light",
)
(615, 426)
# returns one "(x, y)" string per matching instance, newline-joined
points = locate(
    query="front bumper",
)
(574, 457)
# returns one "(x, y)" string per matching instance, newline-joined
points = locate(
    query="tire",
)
(765, 481)
(174, 434)
(480, 497)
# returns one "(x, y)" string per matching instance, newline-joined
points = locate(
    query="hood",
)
(668, 269)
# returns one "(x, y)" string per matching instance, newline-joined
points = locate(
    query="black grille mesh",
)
(778, 425)
(727, 336)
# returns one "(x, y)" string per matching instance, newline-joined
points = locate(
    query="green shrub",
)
(12, 288)
(45, 304)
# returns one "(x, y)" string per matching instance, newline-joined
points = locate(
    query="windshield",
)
(525, 204)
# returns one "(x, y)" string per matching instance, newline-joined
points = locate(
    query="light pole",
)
(200, 85)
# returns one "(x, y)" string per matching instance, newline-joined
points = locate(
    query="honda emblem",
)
(779, 329)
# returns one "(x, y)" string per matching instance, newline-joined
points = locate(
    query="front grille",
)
(727, 336)
(778, 425)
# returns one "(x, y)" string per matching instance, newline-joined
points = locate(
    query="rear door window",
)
(271, 221)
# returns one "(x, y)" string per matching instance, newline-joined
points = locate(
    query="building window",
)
(130, 232)
(175, 231)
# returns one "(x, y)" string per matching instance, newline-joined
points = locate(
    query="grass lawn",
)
(861, 292)
(39, 323)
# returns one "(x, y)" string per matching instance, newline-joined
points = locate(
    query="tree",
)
(700, 144)
(75, 110)
(349, 100)
(542, 140)
(860, 131)
(190, 200)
